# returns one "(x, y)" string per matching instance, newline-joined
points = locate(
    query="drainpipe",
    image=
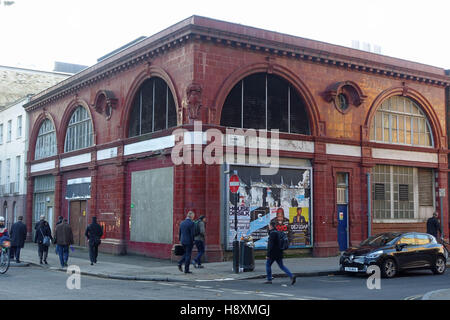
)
(369, 209)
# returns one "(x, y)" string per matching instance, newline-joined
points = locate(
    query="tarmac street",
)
(136, 278)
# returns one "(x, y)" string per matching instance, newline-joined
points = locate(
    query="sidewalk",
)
(132, 267)
(443, 294)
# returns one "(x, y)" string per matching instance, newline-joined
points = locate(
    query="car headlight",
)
(375, 254)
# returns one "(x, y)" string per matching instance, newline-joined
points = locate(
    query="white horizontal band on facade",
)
(106, 153)
(195, 137)
(404, 155)
(343, 150)
(82, 158)
(79, 180)
(259, 142)
(150, 145)
(48, 165)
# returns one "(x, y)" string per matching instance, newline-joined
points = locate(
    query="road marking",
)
(416, 297)
(267, 295)
(283, 294)
(214, 290)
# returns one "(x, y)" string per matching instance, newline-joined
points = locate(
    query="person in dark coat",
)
(41, 232)
(41, 218)
(274, 253)
(63, 239)
(94, 232)
(186, 236)
(433, 225)
(18, 236)
(199, 241)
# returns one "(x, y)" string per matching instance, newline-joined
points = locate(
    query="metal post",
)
(442, 217)
(369, 209)
(235, 242)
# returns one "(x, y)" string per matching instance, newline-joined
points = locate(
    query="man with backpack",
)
(199, 240)
(277, 242)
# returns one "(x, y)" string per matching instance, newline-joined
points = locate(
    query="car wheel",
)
(439, 267)
(388, 268)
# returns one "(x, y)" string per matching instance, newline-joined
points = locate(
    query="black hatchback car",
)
(394, 252)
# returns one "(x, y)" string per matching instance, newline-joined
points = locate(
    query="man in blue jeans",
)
(199, 240)
(63, 239)
(274, 253)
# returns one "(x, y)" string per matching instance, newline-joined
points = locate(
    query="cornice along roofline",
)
(244, 37)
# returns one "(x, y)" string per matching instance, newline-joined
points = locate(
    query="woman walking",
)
(43, 238)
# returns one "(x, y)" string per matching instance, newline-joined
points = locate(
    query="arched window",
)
(153, 108)
(79, 133)
(46, 141)
(265, 101)
(400, 120)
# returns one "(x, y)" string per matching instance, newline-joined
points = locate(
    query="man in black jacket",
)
(18, 236)
(433, 225)
(94, 232)
(274, 253)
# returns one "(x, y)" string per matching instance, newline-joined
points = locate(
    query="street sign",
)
(442, 192)
(234, 183)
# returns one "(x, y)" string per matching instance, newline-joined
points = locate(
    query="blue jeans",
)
(63, 252)
(187, 257)
(280, 264)
(201, 250)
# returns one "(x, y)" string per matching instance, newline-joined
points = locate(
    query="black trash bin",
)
(247, 255)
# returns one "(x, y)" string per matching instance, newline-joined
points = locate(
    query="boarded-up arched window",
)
(153, 108)
(265, 101)
(400, 120)
(79, 133)
(46, 141)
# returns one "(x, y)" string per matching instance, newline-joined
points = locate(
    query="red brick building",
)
(351, 124)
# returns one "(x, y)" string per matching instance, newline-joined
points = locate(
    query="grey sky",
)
(35, 33)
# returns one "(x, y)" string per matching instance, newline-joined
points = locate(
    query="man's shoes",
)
(40, 262)
(293, 279)
(18, 261)
(188, 272)
(268, 282)
(180, 268)
(195, 264)
(45, 261)
(66, 265)
(92, 263)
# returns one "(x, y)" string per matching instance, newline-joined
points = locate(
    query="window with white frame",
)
(1, 133)
(17, 184)
(9, 131)
(46, 141)
(79, 133)
(8, 172)
(398, 192)
(19, 127)
(400, 120)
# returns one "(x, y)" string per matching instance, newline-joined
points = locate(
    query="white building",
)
(13, 154)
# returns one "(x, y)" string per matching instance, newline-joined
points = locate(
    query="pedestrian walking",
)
(43, 238)
(199, 240)
(18, 236)
(41, 218)
(275, 254)
(433, 225)
(186, 236)
(63, 239)
(94, 232)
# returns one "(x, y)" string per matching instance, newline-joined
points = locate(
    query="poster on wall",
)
(284, 198)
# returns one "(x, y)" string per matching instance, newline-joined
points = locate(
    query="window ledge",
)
(397, 220)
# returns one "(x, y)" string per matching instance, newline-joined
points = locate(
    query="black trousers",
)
(93, 251)
(42, 252)
(14, 252)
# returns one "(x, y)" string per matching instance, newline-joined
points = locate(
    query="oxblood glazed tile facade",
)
(201, 60)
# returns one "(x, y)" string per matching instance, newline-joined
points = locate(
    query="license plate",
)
(351, 269)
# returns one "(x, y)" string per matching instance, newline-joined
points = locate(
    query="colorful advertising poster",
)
(283, 198)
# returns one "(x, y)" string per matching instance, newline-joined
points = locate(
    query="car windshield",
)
(379, 240)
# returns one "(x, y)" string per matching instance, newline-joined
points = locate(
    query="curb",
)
(427, 296)
(169, 279)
